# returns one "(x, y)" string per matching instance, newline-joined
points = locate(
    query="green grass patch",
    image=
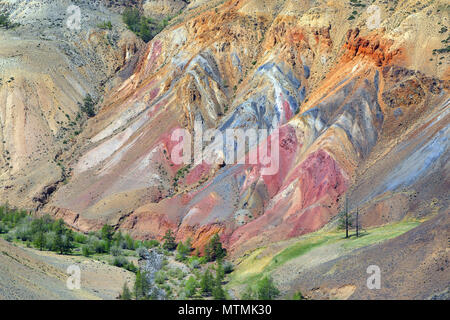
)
(260, 262)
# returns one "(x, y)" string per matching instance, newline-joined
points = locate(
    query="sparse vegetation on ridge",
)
(258, 265)
(6, 23)
(45, 233)
(145, 28)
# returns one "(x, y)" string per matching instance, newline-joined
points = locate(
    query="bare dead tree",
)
(346, 217)
(357, 222)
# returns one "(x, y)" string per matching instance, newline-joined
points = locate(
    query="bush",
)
(107, 25)
(266, 289)
(142, 252)
(115, 251)
(6, 23)
(80, 238)
(131, 267)
(40, 240)
(99, 246)
(218, 292)
(160, 277)
(228, 267)
(120, 262)
(141, 286)
(88, 106)
(145, 28)
(151, 243)
(86, 251)
(3, 228)
(128, 242)
(298, 296)
(194, 263)
(131, 17)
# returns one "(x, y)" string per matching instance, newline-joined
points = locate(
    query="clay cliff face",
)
(361, 114)
(46, 70)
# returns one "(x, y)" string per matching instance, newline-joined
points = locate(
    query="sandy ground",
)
(27, 273)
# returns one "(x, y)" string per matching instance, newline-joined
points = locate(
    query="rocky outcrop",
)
(360, 115)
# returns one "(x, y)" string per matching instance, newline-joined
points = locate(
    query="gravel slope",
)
(28, 274)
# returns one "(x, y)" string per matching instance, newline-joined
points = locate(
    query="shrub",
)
(107, 25)
(100, 246)
(218, 292)
(298, 296)
(80, 238)
(86, 251)
(115, 251)
(142, 252)
(129, 242)
(160, 277)
(131, 17)
(88, 106)
(151, 243)
(266, 289)
(120, 262)
(194, 263)
(6, 23)
(145, 28)
(228, 267)
(40, 240)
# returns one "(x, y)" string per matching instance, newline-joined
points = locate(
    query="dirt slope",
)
(27, 274)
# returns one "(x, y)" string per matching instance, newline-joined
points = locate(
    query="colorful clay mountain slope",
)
(362, 114)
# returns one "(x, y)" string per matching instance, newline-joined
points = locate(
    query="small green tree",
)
(88, 106)
(266, 289)
(141, 286)
(6, 23)
(107, 25)
(107, 232)
(190, 287)
(126, 293)
(40, 240)
(183, 250)
(218, 292)
(169, 240)
(207, 282)
(298, 296)
(131, 17)
(214, 249)
(58, 243)
(86, 251)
